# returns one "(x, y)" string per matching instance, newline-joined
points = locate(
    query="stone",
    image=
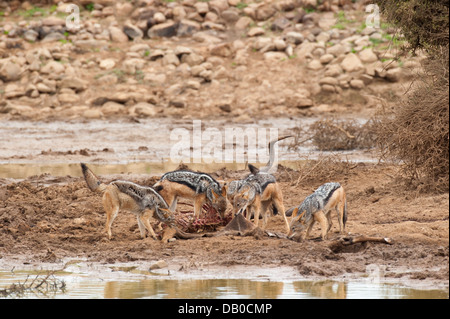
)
(337, 49)
(230, 16)
(117, 35)
(280, 24)
(145, 109)
(333, 70)
(187, 28)
(163, 30)
(329, 80)
(74, 83)
(67, 98)
(30, 35)
(357, 84)
(92, 114)
(111, 107)
(326, 58)
(159, 265)
(352, 63)
(202, 8)
(393, 75)
(53, 22)
(223, 50)
(294, 37)
(133, 32)
(170, 58)
(53, 67)
(255, 31)
(107, 64)
(10, 71)
(14, 91)
(243, 23)
(315, 65)
(265, 12)
(275, 56)
(367, 56)
(43, 88)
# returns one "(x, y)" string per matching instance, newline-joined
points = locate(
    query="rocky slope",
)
(235, 58)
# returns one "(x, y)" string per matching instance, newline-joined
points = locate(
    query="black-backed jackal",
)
(200, 187)
(142, 201)
(317, 208)
(252, 192)
(256, 193)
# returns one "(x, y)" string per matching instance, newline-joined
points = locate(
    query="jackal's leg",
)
(111, 206)
(198, 203)
(145, 220)
(340, 214)
(309, 227)
(257, 209)
(323, 221)
(330, 222)
(141, 226)
(278, 202)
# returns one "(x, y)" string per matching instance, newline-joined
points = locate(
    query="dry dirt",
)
(44, 219)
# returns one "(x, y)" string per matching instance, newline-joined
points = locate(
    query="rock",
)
(328, 88)
(265, 12)
(192, 59)
(187, 28)
(315, 65)
(140, 47)
(53, 67)
(223, 50)
(393, 75)
(298, 101)
(357, 84)
(144, 109)
(294, 37)
(117, 35)
(74, 83)
(255, 31)
(107, 64)
(328, 80)
(10, 71)
(53, 22)
(159, 265)
(163, 30)
(132, 32)
(326, 58)
(202, 8)
(218, 6)
(280, 24)
(159, 17)
(275, 56)
(43, 88)
(92, 114)
(337, 49)
(30, 35)
(230, 16)
(67, 98)
(111, 107)
(243, 23)
(352, 63)
(368, 56)
(178, 103)
(14, 91)
(170, 58)
(333, 70)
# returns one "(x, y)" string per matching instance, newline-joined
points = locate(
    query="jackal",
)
(250, 193)
(317, 207)
(144, 202)
(193, 185)
(256, 193)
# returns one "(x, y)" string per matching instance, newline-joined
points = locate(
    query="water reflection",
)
(190, 289)
(86, 287)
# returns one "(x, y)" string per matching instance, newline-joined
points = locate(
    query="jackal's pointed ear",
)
(224, 190)
(214, 194)
(253, 169)
(294, 212)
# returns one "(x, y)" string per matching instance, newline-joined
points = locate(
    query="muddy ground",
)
(45, 219)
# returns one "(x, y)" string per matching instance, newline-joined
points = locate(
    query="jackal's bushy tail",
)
(92, 180)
